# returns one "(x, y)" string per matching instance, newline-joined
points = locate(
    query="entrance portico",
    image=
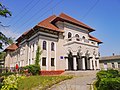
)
(76, 62)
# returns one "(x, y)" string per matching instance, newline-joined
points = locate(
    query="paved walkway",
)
(77, 83)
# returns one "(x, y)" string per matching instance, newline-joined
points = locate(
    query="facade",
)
(110, 62)
(65, 42)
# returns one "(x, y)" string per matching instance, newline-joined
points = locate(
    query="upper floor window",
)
(44, 45)
(83, 37)
(77, 37)
(52, 46)
(69, 35)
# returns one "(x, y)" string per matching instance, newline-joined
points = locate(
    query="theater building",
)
(65, 42)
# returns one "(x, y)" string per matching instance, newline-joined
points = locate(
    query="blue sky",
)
(102, 15)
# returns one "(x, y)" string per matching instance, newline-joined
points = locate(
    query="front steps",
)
(81, 73)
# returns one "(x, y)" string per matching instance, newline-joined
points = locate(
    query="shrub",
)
(33, 69)
(109, 84)
(11, 82)
(104, 75)
(6, 74)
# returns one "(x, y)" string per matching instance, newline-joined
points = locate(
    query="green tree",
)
(38, 53)
(4, 12)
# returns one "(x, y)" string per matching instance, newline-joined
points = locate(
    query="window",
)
(77, 37)
(113, 65)
(44, 45)
(44, 61)
(83, 37)
(69, 35)
(118, 64)
(52, 62)
(52, 46)
(33, 48)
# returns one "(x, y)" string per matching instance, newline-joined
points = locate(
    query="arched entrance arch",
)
(70, 60)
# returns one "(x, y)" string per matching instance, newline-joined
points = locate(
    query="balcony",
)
(81, 40)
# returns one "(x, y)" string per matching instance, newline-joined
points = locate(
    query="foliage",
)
(2, 55)
(3, 39)
(40, 82)
(33, 69)
(109, 84)
(6, 74)
(107, 78)
(11, 82)
(4, 11)
(38, 53)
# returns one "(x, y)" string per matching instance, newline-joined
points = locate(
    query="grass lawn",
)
(40, 82)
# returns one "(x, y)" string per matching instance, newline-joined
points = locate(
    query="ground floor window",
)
(44, 61)
(113, 65)
(52, 62)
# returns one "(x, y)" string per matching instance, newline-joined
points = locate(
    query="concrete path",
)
(77, 83)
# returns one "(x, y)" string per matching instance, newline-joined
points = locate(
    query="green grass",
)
(40, 82)
(94, 85)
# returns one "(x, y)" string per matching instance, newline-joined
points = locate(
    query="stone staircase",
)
(81, 73)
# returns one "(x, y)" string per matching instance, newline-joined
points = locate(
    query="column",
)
(98, 65)
(83, 63)
(75, 63)
(94, 62)
(31, 54)
(66, 63)
(91, 64)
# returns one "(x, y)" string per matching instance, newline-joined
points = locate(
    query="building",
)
(110, 62)
(65, 41)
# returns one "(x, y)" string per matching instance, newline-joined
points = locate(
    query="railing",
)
(81, 40)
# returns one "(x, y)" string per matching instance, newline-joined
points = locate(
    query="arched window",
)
(77, 37)
(52, 46)
(69, 35)
(44, 45)
(83, 37)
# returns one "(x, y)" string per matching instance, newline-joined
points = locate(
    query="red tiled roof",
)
(49, 24)
(94, 39)
(64, 17)
(11, 47)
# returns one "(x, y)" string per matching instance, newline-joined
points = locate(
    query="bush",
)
(106, 75)
(33, 69)
(11, 82)
(6, 74)
(109, 84)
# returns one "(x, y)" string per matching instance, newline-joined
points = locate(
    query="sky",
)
(102, 15)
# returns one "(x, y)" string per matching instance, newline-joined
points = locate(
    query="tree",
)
(38, 53)
(4, 12)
